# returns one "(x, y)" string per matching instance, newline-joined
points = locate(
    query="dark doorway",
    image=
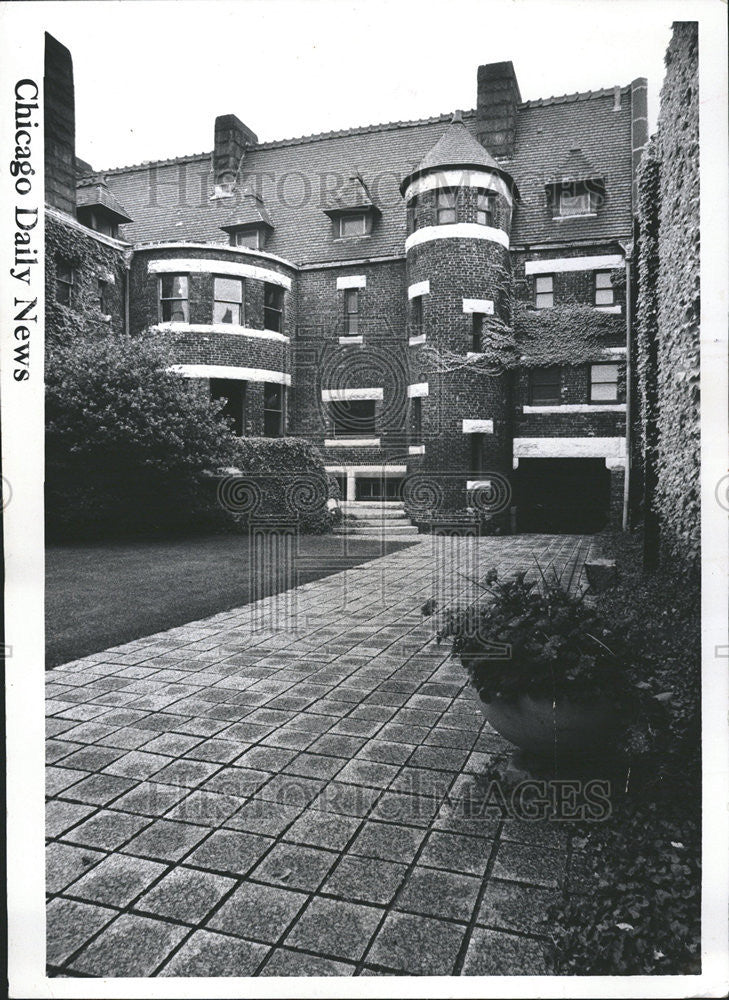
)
(366, 488)
(562, 495)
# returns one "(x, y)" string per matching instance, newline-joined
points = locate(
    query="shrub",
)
(128, 443)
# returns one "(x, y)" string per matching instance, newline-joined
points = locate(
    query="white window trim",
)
(419, 389)
(352, 281)
(478, 427)
(231, 372)
(416, 449)
(231, 328)
(352, 443)
(419, 338)
(616, 309)
(457, 231)
(491, 182)
(418, 289)
(221, 267)
(559, 265)
(577, 408)
(340, 395)
(351, 340)
(612, 449)
(484, 306)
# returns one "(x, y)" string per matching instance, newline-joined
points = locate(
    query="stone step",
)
(376, 517)
(386, 531)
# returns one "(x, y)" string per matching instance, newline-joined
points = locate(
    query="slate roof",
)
(353, 194)
(95, 194)
(456, 148)
(247, 211)
(576, 167)
(169, 200)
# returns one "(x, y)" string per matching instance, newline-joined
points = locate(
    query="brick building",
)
(439, 305)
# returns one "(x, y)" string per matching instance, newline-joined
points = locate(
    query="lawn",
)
(104, 594)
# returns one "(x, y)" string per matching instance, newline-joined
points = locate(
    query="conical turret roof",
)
(456, 149)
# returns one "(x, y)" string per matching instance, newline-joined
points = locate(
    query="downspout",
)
(127, 272)
(628, 251)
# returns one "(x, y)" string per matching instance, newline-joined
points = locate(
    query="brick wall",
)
(93, 260)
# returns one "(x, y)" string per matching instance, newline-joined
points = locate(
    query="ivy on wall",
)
(669, 305)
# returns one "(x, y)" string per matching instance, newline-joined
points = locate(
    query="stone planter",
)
(562, 730)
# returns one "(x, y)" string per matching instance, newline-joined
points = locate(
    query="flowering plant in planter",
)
(550, 673)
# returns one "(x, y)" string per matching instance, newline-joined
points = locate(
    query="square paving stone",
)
(338, 746)
(314, 765)
(117, 880)
(218, 751)
(420, 946)
(457, 853)
(69, 924)
(60, 815)
(165, 840)
(335, 928)
(439, 894)
(292, 790)
(369, 773)
(172, 744)
(423, 781)
(150, 798)
(92, 758)
(185, 894)
(491, 953)
(518, 908)
(295, 867)
(410, 810)
(59, 779)
(107, 830)
(365, 879)
(347, 800)
(208, 954)
(283, 962)
(388, 841)
(357, 727)
(189, 773)
(239, 781)
(524, 863)
(262, 816)
(440, 758)
(230, 851)
(289, 739)
(126, 739)
(385, 752)
(130, 946)
(272, 759)
(319, 829)
(258, 912)
(99, 789)
(65, 863)
(207, 806)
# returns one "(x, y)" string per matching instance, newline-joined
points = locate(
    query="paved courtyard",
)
(287, 789)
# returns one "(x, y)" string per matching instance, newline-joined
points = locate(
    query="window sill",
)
(575, 408)
(352, 340)
(567, 218)
(616, 309)
(227, 328)
(352, 443)
(417, 339)
(416, 449)
(358, 236)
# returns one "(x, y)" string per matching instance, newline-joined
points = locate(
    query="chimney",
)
(498, 97)
(59, 125)
(232, 138)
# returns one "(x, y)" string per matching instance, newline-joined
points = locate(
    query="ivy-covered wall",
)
(668, 308)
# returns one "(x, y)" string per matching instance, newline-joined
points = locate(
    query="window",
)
(273, 302)
(233, 393)
(575, 203)
(173, 298)
(544, 291)
(604, 291)
(413, 209)
(228, 301)
(352, 417)
(477, 332)
(250, 238)
(274, 404)
(445, 206)
(478, 457)
(545, 386)
(353, 225)
(416, 420)
(104, 299)
(416, 317)
(64, 282)
(604, 383)
(375, 488)
(351, 311)
(484, 208)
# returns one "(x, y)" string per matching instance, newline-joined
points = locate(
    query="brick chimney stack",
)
(59, 127)
(496, 108)
(232, 138)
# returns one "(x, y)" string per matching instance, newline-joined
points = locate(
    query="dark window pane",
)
(353, 417)
(545, 385)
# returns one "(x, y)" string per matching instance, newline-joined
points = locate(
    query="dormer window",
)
(353, 224)
(250, 238)
(575, 202)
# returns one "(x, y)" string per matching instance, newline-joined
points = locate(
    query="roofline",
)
(539, 102)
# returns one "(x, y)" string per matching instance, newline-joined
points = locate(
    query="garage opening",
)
(562, 495)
